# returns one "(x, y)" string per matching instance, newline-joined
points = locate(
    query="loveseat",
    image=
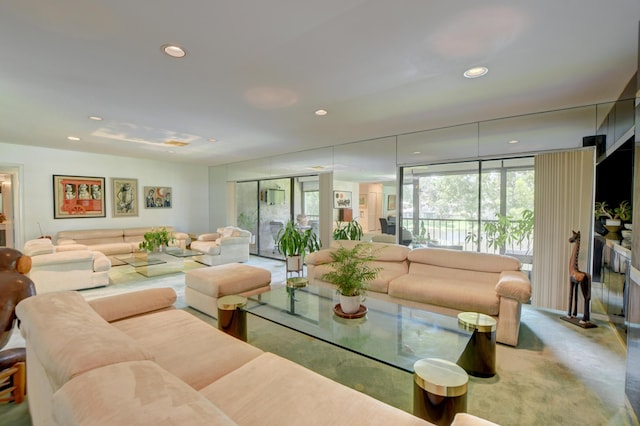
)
(442, 280)
(115, 241)
(67, 267)
(229, 244)
(132, 359)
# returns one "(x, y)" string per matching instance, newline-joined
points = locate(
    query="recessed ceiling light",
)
(321, 112)
(513, 141)
(95, 118)
(212, 140)
(174, 51)
(171, 152)
(73, 138)
(475, 72)
(417, 152)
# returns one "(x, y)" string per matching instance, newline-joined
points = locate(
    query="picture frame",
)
(341, 199)
(157, 197)
(391, 202)
(124, 197)
(362, 200)
(77, 197)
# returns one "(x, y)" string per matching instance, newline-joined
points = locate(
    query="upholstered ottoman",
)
(204, 286)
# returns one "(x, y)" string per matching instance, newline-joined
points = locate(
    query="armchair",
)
(67, 267)
(227, 245)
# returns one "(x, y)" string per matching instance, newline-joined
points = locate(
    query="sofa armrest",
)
(65, 257)
(464, 419)
(101, 263)
(211, 236)
(126, 305)
(38, 247)
(514, 285)
(61, 242)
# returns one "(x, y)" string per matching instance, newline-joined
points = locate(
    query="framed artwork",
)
(391, 202)
(341, 199)
(157, 197)
(78, 197)
(125, 197)
(362, 200)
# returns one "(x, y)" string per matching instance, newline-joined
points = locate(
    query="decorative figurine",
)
(577, 279)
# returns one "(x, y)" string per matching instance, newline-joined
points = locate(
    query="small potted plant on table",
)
(156, 240)
(351, 274)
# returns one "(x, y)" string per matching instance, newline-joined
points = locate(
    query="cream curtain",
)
(564, 192)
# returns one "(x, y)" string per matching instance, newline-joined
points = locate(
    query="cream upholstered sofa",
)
(117, 240)
(442, 280)
(229, 244)
(131, 359)
(69, 267)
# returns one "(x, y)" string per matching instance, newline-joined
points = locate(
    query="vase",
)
(350, 304)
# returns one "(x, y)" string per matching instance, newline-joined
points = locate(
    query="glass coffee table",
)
(153, 264)
(392, 334)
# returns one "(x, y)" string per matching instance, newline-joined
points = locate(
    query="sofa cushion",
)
(381, 251)
(82, 339)
(70, 247)
(125, 305)
(90, 235)
(245, 395)
(460, 294)
(60, 261)
(206, 247)
(114, 248)
(472, 261)
(133, 393)
(188, 347)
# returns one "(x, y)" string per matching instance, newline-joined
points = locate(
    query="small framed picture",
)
(341, 199)
(78, 197)
(391, 202)
(157, 197)
(125, 197)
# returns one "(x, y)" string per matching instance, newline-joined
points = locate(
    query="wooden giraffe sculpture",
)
(578, 278)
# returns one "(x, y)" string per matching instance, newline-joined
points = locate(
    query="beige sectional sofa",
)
(115, 241)
(132, 359)
(444, 281)
(68, 267)
(227, 245)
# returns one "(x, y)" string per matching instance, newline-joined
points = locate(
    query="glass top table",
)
(393, 334)
(153, 264)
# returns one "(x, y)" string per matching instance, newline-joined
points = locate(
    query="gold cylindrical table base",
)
(232, 319)
(479, 357)
(439, 390)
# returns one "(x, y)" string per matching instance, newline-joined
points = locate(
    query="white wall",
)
(189, 183)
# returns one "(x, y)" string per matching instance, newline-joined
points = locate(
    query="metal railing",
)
(452, 233)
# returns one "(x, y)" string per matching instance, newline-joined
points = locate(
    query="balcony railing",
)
(453, 233)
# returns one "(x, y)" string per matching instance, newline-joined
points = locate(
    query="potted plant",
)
(294, 243)
(351, 231)
(156, 240)
(350, 273)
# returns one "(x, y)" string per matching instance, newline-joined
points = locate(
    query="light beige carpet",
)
(559, 374)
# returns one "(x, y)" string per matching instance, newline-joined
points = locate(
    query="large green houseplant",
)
(294, 243)
(350, 231)
(155, 240)
(351, 272)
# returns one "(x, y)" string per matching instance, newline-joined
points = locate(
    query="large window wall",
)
(478, 205)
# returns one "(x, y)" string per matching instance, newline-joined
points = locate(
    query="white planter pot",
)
(612, 222)
(294, 264)
(350, 304)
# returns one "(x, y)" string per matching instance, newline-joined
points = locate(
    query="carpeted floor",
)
(559, 374)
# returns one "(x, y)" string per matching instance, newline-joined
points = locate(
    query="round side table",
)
(439, 390)
(232, 319)
(479, 357)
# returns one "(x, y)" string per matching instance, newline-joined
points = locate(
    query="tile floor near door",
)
(559, 374)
